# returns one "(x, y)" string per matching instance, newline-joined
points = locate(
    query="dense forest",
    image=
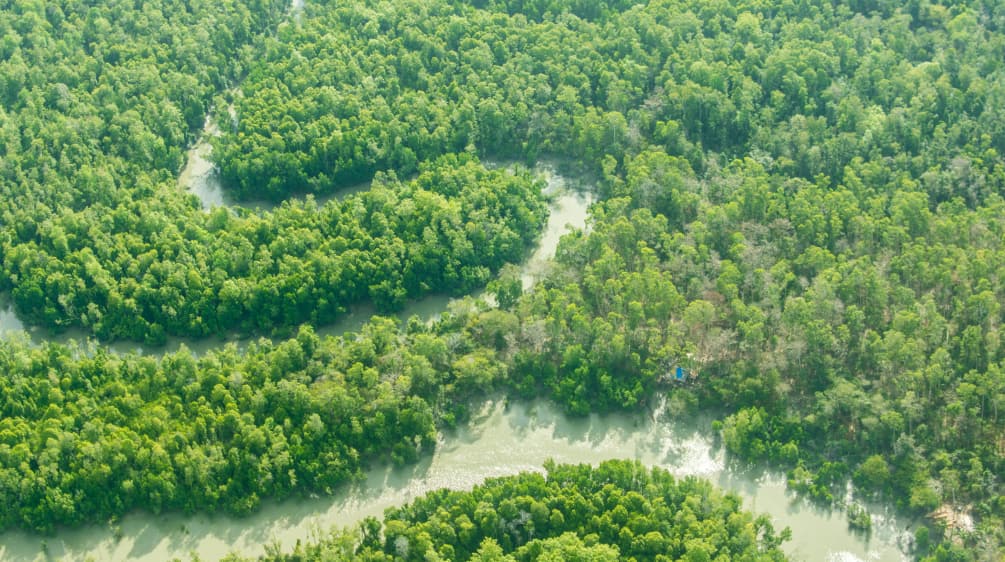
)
(617, 511)
(803, 199)
(802, 203)
(110, 245)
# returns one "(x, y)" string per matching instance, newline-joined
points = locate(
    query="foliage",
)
(858, 518)
(109, 243)
(619, 510)
(803, 202)
(85, 435)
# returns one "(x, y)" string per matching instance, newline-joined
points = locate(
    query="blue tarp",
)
(680, 374)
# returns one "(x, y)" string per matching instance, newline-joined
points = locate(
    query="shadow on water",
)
(472, 430)
(592, 430)
(501, 439)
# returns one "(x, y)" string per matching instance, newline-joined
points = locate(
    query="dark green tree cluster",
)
(848, 346)
(146, 275)
(840, 285)
(617, 511)
(541, 9)
(599, 333)
(804, 205)
(94, 233)
(808, 212)
(99, 101)
(371, 85)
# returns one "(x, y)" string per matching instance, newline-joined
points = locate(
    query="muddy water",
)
(200, 176)
(568, 210)
(502, 440)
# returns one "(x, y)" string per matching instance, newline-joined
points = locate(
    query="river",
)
(501, 440)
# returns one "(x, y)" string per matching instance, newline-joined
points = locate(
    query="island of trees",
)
(617, 511)
(802, 200)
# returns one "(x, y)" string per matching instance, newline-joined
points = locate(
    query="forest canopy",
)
(802, 201)
(112, 246)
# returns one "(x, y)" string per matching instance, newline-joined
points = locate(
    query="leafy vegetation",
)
(617, 511)
(111, 245)
(85, 434)
(803, 204)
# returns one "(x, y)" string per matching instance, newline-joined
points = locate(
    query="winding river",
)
(501, 440)
(568, 205)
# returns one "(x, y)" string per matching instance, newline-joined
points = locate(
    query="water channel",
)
(568, 205)
(502, 440)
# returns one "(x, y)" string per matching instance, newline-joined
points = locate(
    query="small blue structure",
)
(672, 371)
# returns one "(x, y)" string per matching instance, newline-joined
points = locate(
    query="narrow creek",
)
(569, 202)
(501, 440)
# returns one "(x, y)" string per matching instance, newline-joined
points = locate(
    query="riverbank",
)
(500, 440)
(568, 210)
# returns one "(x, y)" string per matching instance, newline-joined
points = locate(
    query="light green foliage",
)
(85, 435)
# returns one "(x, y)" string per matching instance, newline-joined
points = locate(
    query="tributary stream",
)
(568, 205)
